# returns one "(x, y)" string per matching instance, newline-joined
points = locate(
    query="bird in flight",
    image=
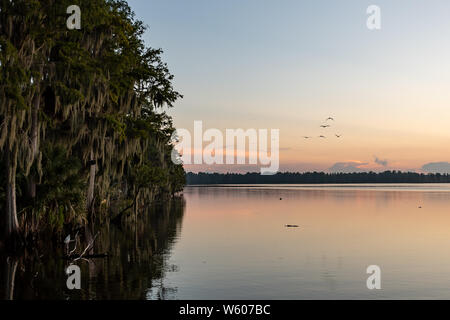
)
(325, 126)
(330, 118)
(306, 137)
(322, 137)
(338, 135)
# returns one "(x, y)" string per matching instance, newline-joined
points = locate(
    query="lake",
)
(231, 242)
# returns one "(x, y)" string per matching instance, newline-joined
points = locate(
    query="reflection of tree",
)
(136, 265)
(10, 266)
(139, 251)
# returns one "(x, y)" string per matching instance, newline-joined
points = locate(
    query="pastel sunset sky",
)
(291, 64)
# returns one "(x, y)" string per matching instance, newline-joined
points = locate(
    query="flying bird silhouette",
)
(325, 126)
(330, 118)
(322, 137)
(338, 135)
(306, 137)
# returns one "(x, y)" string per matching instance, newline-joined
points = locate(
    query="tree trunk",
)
(10, 277)
(91, 188)
(11, 222)
(34, 142)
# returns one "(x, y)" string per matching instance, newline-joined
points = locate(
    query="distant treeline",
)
(315, 178)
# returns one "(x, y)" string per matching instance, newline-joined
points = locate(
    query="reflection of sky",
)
(234, 244)
(291, 64)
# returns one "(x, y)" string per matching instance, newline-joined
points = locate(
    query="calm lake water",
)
(230, 242)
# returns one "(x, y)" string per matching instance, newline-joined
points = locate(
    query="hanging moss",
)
(96, 93)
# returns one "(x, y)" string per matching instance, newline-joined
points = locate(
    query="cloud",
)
(383, 163)
(436, 167)
(348, 167)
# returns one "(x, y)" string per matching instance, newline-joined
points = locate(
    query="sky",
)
(291, 64)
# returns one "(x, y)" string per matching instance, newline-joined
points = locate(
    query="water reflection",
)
(239, 231)
(134, 269)
(234, 245)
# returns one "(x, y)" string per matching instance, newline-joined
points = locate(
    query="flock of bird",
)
(325, 126)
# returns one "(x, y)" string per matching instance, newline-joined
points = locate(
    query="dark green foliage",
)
(72, 100)
(62, 187)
